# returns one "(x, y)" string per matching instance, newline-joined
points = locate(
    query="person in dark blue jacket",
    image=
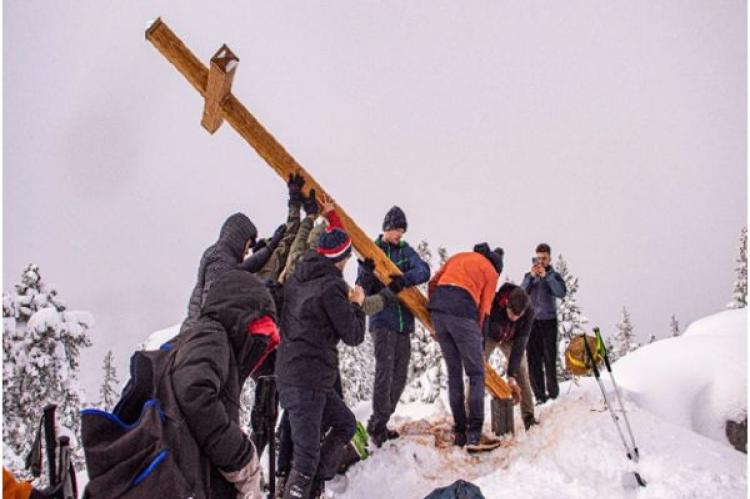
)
(543, 285)
(391, 328)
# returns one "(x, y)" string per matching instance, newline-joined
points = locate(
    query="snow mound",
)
(158, 338)
(697, 380)
(575, 452)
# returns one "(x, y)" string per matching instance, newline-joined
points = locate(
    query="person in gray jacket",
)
(543, 285)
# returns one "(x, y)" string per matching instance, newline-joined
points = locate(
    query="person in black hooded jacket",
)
(215, 355)
(238, 234)
(318, 312)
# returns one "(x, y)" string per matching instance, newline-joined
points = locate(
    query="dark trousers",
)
(392, 353)
(286, 447)
(460, 340)
(307, 409)
(541, 352)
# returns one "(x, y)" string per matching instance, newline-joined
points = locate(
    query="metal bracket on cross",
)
(214, 84)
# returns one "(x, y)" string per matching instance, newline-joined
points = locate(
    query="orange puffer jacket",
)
(14, 489)
(472, 272)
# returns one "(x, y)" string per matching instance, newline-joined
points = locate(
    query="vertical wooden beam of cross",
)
(214, 84)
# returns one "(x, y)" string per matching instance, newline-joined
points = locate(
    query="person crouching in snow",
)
(508, 329)
(229, 340)
(391, 329)
(461, 294)
(319, 311)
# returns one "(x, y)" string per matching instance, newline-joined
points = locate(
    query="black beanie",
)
(394, 219)
(495, 256)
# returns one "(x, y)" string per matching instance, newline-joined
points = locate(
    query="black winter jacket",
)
(219, 258)
(501, 328)
(317, 315)
(214, 358)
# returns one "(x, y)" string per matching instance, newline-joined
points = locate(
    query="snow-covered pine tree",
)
(739, 295)
(625, 338)
(357, 366)
(674, 326)
(427, 375)
(569, 316)
(108, 393)
(41, 347)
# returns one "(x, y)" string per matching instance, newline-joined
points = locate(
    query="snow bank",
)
(157, 338)
(575, 452)
(697, 380)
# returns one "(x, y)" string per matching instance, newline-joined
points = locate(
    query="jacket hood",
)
(235, 232)
(235, 300)
(314, 266)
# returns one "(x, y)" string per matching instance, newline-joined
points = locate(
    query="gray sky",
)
(614, 131)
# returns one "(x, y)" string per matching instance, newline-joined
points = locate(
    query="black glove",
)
(367, 265)
(295, 183)
(262, 243)
(276, 238)
(310, 204)
(397, 284)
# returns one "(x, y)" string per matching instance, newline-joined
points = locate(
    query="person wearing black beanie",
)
(391, 329)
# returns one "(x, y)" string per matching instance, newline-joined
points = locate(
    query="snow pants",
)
(392, 354)
(541, 352)
(307, 409)
(527, 399)
(461, 341)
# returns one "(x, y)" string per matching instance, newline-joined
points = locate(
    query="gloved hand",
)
(310, 203)
(276, 238)
(295, 184)
(367, 265)
(397, 284)
(247, 479)
(262, 243)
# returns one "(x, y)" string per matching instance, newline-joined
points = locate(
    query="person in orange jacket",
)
(461, 295)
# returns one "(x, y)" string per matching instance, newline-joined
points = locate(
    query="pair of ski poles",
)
(630, 450)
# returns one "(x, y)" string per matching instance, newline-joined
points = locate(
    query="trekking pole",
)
(50, 442)
(628, 453)
(617, 393)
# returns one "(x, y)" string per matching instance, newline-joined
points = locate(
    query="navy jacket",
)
(543, 292)
(395, 316)
(317, 315)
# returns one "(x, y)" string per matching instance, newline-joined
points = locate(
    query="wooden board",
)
(284, 164)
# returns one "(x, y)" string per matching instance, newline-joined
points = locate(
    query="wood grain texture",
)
(172, 48)
(220, 75)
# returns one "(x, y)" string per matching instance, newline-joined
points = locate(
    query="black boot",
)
(528, 421)
(298, 486)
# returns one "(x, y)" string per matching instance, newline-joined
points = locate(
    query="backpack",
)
(141, 448)
(577, 361)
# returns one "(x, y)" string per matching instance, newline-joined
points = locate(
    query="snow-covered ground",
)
(678, 393)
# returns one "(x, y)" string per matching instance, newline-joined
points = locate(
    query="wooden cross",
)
(214, 84)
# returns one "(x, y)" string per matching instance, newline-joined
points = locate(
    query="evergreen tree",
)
(41, 347)
(427, 375)
(739, 295)
(625, 338)
(357, 366)
(108, 394)
(570, 319)
(651, 339)
(674, 327)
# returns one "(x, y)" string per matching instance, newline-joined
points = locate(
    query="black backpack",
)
(141, 448)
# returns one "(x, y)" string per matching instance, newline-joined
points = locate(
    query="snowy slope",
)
(697, 380)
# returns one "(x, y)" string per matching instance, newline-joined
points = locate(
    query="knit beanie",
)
(394, 219)
(335, 244)
(495, 256)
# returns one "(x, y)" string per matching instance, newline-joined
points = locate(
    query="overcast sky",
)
(614, 131)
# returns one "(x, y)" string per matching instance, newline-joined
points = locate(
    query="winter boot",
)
(379, 438)
(318, 490)
(482, 443)
(297, 486)
(459, 439)
(392, 434)
(281, 479)
(528, 421)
